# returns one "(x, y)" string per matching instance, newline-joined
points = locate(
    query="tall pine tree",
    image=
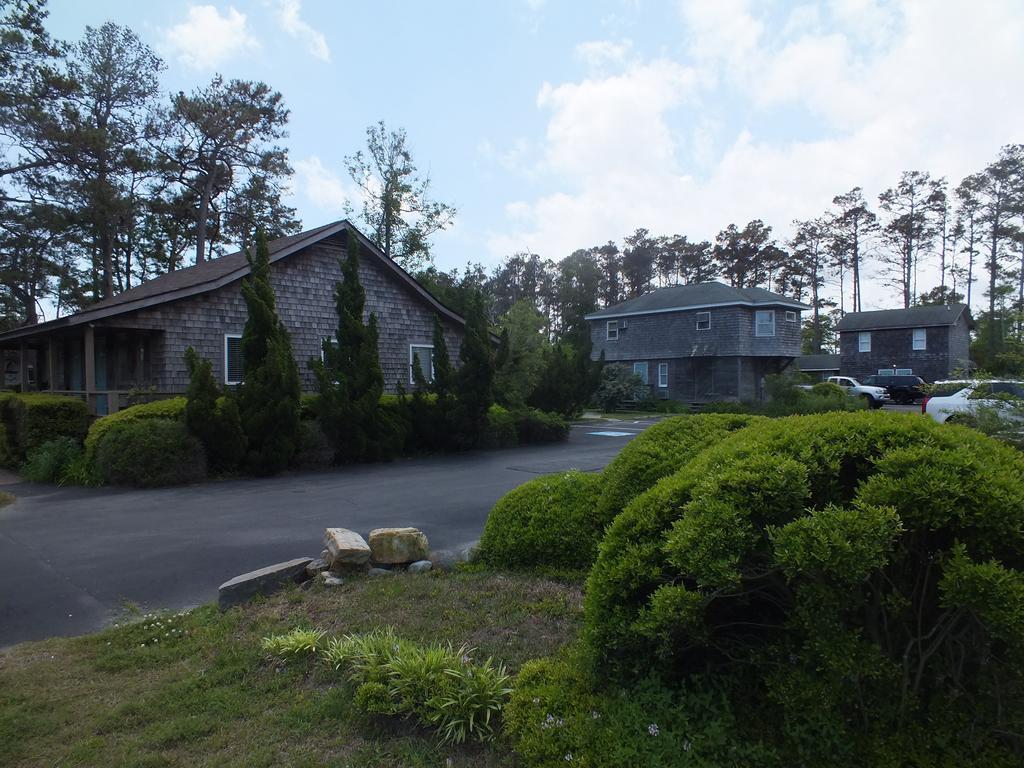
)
(268, 398)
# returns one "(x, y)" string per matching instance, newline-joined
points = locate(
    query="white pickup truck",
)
(875, 397)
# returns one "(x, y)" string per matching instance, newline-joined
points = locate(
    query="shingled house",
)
(702, 342)
(932, 342)
(137, 339)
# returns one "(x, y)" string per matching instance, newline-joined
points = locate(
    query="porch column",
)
(51, 363)
(90, 368)
(23, 366)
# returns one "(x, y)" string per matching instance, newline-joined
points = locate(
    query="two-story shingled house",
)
(702, 342)
(932, 342)
(137, 340)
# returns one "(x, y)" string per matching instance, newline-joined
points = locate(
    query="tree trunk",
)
(201, 219)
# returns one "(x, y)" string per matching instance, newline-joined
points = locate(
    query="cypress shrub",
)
(349, 378)
(268, 398)
(474, 381)
(212, 417)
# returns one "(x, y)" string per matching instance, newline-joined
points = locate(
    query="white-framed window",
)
(703, 321)
(790, 316)
(425, 354)
(864, 341)
(920, 339)
(233, 368)
(612, 330)
(764, 322)
(663, 375)
(324, 341)
(640, 369)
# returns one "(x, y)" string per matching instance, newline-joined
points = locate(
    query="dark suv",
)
(902, 389)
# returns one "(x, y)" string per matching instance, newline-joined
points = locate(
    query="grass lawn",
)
(195, 689)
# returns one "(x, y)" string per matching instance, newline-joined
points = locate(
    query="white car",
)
(960, 400)
(875, 397)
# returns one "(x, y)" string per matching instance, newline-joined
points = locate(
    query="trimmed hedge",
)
(547, 522)
(35, 418)
(852, 579)
(315, 450)
(172, 408)
(149, 452)
(535, 426)
(660, 450)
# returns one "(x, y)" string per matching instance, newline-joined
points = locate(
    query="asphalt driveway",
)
(71, 557)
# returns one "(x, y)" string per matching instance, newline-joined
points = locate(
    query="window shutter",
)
(234, 369)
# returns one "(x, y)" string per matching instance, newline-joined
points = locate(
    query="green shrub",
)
(172, 408)
(555, 718)
(547, 522)
(212, 417)
(35, 418)
(149, 452)
(500, 431)
(48, 462)
(309, 404)
(534, 426)
(852, 579)
(315, 450)
(658, 451)
(829, 389)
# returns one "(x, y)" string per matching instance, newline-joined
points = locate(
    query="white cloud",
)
(288, 15)
(322, 187)
(772, 121)
(206, 38)
(599, 54)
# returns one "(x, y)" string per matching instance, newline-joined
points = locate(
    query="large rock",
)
(262, 582)
(394, 546)
(345, 548)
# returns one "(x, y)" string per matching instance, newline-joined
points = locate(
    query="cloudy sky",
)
(553, 125)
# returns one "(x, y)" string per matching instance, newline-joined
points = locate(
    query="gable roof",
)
(695, 296)
(914, 317)
(216, 273)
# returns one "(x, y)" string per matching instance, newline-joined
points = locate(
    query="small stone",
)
(380, 572)
(420, 566)
(263, 581)
(330, 580)
(394, 546)
(345, 547)
(316, 567)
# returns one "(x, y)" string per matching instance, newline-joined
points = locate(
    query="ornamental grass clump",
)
(438, 685)
(297, 642)
(853, 581)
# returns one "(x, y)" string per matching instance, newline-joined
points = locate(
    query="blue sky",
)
(553, 125)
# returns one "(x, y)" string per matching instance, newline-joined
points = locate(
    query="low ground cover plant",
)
(52, 461)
